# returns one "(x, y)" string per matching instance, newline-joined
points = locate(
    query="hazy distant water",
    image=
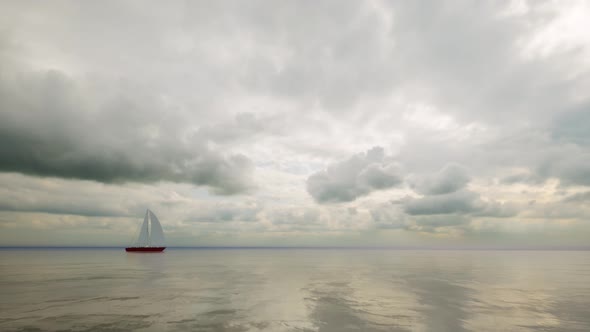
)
(294, 290)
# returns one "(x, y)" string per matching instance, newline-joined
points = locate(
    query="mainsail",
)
(156, 232)
(151, 233)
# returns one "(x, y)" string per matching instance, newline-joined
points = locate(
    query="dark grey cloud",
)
(431, 222)
(50, 127)
(578, 197)
(449, 179)
(462, 201)
(573, 126)
(393, 216)
(359, 175)
(429, 214)
(445, 193)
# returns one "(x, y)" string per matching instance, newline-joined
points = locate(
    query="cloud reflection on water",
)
(294, 290)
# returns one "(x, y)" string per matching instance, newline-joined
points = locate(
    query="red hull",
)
(145, 249)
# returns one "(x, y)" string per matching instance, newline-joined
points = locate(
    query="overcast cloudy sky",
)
(390, 123)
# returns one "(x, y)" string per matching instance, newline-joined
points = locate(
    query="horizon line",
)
(448, 248)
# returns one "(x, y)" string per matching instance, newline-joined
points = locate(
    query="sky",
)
(296, 123)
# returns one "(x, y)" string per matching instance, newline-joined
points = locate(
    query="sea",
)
(293, 289)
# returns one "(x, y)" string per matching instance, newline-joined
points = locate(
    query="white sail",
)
(156, 232)
(144, 234)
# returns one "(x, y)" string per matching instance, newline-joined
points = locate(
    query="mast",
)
(147, 229)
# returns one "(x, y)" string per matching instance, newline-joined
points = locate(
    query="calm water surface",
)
(294, 290)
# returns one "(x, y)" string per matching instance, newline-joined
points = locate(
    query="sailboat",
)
(151, 239)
